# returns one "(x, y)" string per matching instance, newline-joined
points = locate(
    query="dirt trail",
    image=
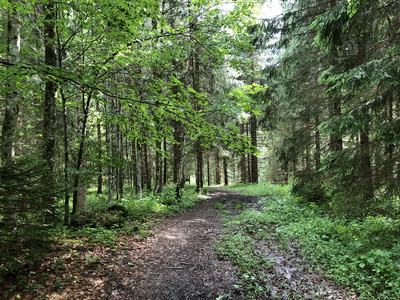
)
(179, 261)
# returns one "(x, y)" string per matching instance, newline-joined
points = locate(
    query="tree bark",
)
(10, 123)
(139, 176)
(49, 113)
(165, 162)
(208, 171)
(99, 154)
(217, 168)
(254, 158)
(147, 171)
(368, 192)
(199, 166)
(181, 182)
(248, 167)
(391, 161)
(66, 162)
(242, 162)
(80, 159)
(225, 166)
(159, 169)
(317, 155)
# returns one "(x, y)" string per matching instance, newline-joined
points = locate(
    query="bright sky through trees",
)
(271, 9)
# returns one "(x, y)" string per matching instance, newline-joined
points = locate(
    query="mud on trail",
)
(179, 262)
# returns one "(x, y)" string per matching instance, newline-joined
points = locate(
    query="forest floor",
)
(177, 262)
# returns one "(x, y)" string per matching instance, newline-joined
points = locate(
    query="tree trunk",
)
(158, 186)
(147, 171)
(139, 176)
(254, 158)
(317, 156)
(121, 160)
(368, 192)
(165, 162)
(66, 162)
(391, 162)
(49, 113)
(225, 166)
(199, 166)
(248, 167)
(242, 162)
(7, 141)
(181, 182)
(99, 154)
(208, 171)
(80, 159)
(134, 166)
(110, 146)
(217, 168)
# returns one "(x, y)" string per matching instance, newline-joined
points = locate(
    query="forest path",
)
(179, 261)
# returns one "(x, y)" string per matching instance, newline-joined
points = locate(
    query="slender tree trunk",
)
(110, 171)
(317, 155)
(366, 165)
(66, 162)
(248, 167)
(217, 168)
(12, 97)
(99, 154)
(391, 162)
(7, 140)
(121, 164)
(165, 162)
(134, 166)
(225, 166)
(208, 171)
(199, 166)
(80, 160)
(147, 170)
(139, 176)
(242, 162)
(177, 153)
(49, 113)
(159, 170)
(181, 182)
(364, 141)
(254, 158)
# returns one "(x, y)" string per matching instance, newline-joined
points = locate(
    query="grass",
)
(252, 266)
(362, 254)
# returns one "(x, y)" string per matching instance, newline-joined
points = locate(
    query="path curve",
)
(179, 261)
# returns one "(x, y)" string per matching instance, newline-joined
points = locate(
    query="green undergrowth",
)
(102, 223)
(362, 254)
(252, 266)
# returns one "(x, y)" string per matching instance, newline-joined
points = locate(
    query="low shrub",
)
(362, 253)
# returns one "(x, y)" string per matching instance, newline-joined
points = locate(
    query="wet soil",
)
(178, 262)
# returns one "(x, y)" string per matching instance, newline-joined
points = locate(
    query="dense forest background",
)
(119, 99)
